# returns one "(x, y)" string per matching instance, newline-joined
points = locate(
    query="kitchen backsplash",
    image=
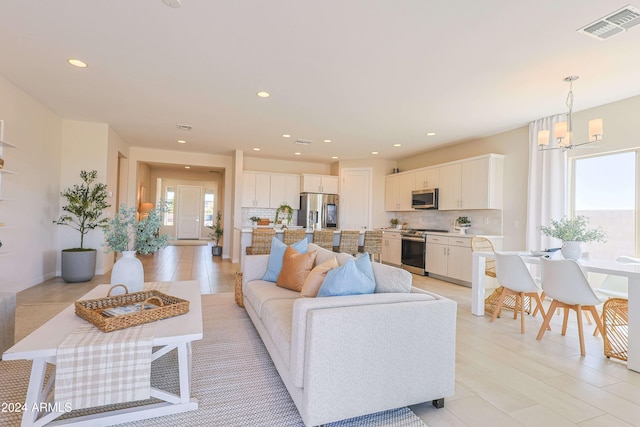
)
(482, 221)
(247, 213)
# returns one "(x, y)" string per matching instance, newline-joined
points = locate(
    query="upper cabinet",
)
(256, 189)
(398, 187)
(312, 183)
(427, 178)
(285, 189)
(472, 184)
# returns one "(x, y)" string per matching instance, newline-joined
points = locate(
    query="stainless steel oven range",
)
(414, 245)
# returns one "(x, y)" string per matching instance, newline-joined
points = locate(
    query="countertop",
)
(280, 230)
(447, 233)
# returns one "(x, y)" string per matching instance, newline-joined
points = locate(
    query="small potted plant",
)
(395, 223)
(254, 221)
(128, 236)
(216, 235)
(85, 206)
(287, 211)
(462, 224)
(572, 232)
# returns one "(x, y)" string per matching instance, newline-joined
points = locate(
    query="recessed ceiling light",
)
(397, 145)
(374, 152)
(327, 140)
(182, 141)
(286, 135)
(431, 134)
(187, 167)
(297, 153)
(77, 63)
(263, 94)
(256, 149)
(334, 157)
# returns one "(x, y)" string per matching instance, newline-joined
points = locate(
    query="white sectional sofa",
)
(346, 356)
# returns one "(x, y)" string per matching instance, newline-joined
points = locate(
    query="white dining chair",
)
(514, 277)
(565, 283)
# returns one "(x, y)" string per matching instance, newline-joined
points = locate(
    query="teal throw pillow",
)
(347, 279)
(277, 254)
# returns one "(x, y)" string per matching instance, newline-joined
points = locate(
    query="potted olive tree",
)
(216, 235)
(85, 206)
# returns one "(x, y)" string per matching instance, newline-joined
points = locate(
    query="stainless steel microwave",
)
(424, 199)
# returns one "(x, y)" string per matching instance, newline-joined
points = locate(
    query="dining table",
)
(629, 270)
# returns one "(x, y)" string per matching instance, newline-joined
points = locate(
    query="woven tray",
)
(168, 306)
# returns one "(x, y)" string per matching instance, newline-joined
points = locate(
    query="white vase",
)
(571, 249)
(128, 271)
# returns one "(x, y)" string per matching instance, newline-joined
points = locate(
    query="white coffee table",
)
(173, 333)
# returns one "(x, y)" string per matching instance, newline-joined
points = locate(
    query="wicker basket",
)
(615, 319)
(91, 310)
(239, 289)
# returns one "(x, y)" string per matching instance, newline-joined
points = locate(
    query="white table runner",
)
(94, 368)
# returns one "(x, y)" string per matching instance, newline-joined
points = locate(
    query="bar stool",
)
(261, 241)
(323, 238)
(373, 243)
(293, 235)
(349, 241)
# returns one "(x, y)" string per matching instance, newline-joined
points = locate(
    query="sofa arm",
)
(379, 356)
(254, 267)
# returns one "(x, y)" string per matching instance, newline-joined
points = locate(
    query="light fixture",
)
(397, 145)
(286, 135)
(182, 141)
(187, 167)
(334, 157)
(374, 152)
(563, 131)
(77, 63)
(256, 149)
(326, 140)
(297, 153)
(263, 94)
(431, 133)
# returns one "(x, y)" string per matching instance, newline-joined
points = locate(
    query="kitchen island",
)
(246, 235)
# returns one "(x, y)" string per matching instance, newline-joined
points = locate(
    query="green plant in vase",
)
(572, 232)
(286, 210)
(217, 234)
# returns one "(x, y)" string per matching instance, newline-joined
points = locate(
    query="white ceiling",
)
(364, 73)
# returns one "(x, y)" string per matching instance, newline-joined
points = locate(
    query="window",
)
(169, 197)
(604, 190)
(209, 206)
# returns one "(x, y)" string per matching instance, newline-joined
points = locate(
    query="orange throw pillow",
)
(295, 268)
(316, 277)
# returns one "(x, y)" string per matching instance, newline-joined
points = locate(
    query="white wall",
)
(33, 191)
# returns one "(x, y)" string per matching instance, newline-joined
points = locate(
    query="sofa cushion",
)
(346, 280)
(391, 279)
(277, 316)
(258, 292)
(276, 255)
(316, 277)
(295, 269)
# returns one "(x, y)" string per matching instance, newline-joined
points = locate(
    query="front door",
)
(189, 207)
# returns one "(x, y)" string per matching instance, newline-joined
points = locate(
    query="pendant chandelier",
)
(563, 133)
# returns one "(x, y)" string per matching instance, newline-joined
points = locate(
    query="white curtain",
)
(547, 198)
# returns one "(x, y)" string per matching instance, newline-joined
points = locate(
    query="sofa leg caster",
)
(438, 403)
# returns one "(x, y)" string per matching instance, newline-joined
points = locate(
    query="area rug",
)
(234, 380)
(189, 242)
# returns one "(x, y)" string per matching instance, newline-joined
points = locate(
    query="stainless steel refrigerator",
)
(318, 211)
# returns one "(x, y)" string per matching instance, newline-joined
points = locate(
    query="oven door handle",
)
(414, 239)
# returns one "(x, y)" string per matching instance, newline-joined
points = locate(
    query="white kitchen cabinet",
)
(426, 178)
(285, 189)
(391, 248)
(312, 183)
(397, 191)
(256, 188)
(449, 257)
(472, 184)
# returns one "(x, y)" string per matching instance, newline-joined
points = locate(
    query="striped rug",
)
(234, 380)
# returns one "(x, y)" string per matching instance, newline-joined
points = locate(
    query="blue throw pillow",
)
(346, 280)
(364, 264)
(276, 256)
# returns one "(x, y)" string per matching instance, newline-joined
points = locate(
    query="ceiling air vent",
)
(612, 24)
(303, 142)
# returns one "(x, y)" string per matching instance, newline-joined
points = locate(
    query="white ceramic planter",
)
(571, 250)
(128, 271)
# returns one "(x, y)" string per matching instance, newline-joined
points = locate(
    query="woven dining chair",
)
(261, 241)
(293, 235)
(323, 238)
(349, 241)
(373, 243)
